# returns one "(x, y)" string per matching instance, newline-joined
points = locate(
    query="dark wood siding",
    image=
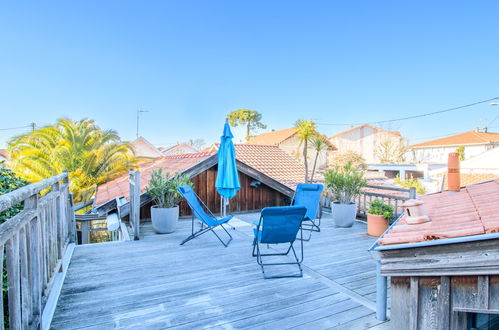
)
(246, 199)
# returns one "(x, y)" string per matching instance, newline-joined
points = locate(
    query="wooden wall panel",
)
(246, 199)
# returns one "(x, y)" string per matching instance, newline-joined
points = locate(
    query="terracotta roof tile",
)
(471, 211)
(465, 138)
(119, 187)
(273, 138)
(273, 162)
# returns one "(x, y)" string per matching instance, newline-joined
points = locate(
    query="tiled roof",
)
(120, 187)
(273, 138)
(472, 211)
(471, 178)
(379, 129)
(465, 138)
(273, 162)
(269, 160)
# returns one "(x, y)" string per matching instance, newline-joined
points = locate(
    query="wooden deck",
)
(154, 283)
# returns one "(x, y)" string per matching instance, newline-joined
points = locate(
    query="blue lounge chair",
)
(279, 225)
(309, 195)
(210, 221)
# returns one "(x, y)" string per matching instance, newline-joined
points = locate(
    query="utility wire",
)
(415, 116)
(12, 128)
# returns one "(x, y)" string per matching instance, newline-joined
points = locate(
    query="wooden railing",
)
(366, 197)
(35, 243)
(395, 200)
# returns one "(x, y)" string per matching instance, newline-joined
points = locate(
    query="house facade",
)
(472, 143)
(145, 149)
(369, 141)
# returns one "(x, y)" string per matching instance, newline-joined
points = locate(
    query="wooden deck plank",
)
(155, 283)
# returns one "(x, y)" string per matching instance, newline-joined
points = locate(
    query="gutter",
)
(444, 241)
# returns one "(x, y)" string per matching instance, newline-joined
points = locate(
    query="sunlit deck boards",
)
(155, 283)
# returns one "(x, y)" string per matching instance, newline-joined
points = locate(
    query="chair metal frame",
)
(314, 224)
(259, 255)
(208, 227)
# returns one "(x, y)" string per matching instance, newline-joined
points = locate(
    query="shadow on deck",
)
(154, 283)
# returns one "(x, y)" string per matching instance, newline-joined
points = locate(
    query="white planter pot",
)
(164, 220)
(343, 214)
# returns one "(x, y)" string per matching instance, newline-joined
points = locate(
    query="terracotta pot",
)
(376, 225)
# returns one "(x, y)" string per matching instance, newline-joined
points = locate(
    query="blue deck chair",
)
(309, 195)
(279, 225)
(210, 221)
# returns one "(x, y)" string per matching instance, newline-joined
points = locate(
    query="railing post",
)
(412, 193)
(381, 293)
(135, 203)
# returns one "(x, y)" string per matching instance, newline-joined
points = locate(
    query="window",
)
(481, 321)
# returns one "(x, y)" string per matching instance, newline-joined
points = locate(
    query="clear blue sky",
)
(191, 62)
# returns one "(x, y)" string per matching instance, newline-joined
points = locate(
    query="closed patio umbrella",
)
(227, 183)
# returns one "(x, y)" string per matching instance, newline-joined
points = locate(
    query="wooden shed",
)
(445, 274)
(267, 176)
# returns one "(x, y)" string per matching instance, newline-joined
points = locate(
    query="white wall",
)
(439, 155)
(365, 141)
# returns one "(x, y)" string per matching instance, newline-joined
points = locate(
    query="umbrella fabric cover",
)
(227, 183)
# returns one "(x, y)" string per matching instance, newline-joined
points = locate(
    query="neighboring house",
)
(436, 151)
(145, 149)
(366, 140)
(482, 167)
(268, 177)
(445, 273)
(179, 149)
(288, 140)
(4, 155)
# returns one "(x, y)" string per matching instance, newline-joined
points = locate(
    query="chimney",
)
(453, 174)
(484, 130)
(415, 212)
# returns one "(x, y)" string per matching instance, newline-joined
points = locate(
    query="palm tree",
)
(306, 130)
(91, 156)
(319, 143)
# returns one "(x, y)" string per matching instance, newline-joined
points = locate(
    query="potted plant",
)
(163, 191)
(379, 215)
(344, 183)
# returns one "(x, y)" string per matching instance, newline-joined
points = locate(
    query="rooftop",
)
(471, 211)
(155, 283)
(376, 128)
(465, 138)
(273, 138)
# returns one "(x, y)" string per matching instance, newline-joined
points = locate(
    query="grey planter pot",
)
(344, 214)
(164, 221)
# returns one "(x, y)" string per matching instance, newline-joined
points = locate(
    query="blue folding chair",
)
(309, 195)
(210, 221)
(279, 225)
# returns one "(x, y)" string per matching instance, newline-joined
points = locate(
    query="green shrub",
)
(411, 183)
(8, 182)
(344, 182)
(377, 207)
(163, 189)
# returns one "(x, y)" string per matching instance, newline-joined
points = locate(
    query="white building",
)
(368, 141)
(436, 151)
